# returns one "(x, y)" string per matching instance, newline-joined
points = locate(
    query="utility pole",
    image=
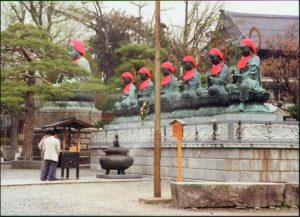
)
(157, 133)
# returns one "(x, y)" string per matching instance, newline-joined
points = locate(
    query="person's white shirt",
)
(51, 148)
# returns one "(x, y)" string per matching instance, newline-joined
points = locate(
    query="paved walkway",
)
(18, 177)
(22, 193)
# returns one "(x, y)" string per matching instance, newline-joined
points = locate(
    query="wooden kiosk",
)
(70, 155)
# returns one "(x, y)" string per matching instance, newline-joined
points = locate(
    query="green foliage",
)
(294, 111)
(100, 124)
(12, 95)
(130, 56)
(137, 56)
(106, 98)
(204, 80)
(31, 62)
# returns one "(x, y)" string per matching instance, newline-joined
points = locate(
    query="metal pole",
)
(157, 133)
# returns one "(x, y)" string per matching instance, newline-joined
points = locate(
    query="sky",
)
(173, 11)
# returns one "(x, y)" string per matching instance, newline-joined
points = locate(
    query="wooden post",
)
(157, 133)
(64, 139)
(178, 134)
(69, 138)
(78, 141)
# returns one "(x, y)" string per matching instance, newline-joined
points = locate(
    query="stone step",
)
(84, 166)
(233, 194)
(84, 160)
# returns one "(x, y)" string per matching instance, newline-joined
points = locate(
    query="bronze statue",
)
(248, 80)
(169, 84)
(217, 77)
(191, 78)
(77, 51)
(128, 98)
(146, 86)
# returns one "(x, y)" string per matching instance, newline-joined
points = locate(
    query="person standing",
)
(41, 143)
(51, 152)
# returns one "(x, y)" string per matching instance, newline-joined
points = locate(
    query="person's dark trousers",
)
(48, 170)
(52, 171)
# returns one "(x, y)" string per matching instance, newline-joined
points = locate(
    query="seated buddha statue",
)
(146, 87)
(217, 76)
(169, 84)
(191, 78)
(129, 97)
(248, 78)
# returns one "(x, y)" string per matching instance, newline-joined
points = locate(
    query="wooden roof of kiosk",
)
(69, 123)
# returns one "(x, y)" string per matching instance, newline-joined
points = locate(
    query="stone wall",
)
(217, 164)
(47, 116)
(231, 147)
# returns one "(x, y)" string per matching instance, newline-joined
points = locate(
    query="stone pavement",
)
(18, 177)
(22, 193)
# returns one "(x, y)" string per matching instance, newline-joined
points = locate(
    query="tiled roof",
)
(68, 122)
(268, 25)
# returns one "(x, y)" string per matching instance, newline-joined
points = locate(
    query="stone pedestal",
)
(228, 147)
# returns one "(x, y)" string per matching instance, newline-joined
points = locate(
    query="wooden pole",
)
(64, 139)
(157, 133)
(69, 138)
(78, 141)
(179, 157)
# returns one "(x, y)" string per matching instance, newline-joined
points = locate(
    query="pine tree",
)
(30, 62)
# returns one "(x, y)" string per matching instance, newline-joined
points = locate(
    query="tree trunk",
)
(14, 132)
(28, 126)
(185, 31)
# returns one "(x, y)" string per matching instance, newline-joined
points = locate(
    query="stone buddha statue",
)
(146, 87)
(77, 51)
(191, 78)
(129, 97)
(169, 84)
(217, 76)
(249, 77)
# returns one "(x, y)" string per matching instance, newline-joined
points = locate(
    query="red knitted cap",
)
(216, 51)
(145, 70)
(190, 59)
(127, 75)
(79, 46)
(250, 43)
(169, 66)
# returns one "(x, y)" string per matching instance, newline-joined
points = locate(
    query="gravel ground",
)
(101, 199)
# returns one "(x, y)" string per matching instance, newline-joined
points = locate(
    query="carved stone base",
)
(126, 111)
(211, 110)
(122, 176)
(249, 107)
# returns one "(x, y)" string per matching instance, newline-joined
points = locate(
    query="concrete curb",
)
(84, 180)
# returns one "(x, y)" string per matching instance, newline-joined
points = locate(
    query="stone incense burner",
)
(116, 158)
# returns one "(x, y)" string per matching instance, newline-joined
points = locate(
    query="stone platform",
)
(26, 164)
(235, 147)
(241, 194)
(121, 176)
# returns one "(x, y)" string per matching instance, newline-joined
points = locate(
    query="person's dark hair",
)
(49, 132)
(55, 131)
